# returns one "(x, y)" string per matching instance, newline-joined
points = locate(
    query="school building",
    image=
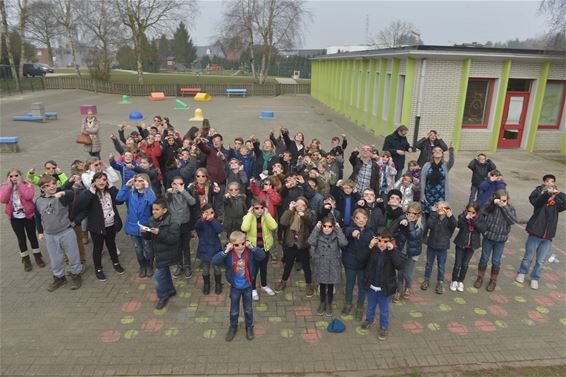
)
(479, 98)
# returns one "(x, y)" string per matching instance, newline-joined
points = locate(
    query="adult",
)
(548, 202)
(264, 157)
(91, 127)
(365, 171)
(295, 146)
(426, 144)
(397, 145)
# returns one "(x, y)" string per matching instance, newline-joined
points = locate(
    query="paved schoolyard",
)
(111, 328)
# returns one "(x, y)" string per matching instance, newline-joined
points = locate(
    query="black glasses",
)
(239, 244)
(326, 226)
(258, 207)
(413, 213)
(14, 176)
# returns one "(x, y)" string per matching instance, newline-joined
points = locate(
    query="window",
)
(552, 105)
(477, 105)
(399, 102)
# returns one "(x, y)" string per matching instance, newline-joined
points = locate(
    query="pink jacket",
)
(26, 197)
(272, 196)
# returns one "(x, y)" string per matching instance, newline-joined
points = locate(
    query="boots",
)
(206, 286)
(280, 286)
(143, 269)
(347, 308)
(321, 308)
(481, 273)
(149, 268)
(493, 279)
(38, 259)
(178, 271)
(27, 263)
(359, 312)
(328, 311)
(218, 284)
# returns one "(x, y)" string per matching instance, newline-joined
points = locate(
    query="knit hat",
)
(336, 326)
(396, 193)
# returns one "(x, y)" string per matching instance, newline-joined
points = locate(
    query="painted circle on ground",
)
(287, 333)
(300, 283)
(537, 316)
(172, 331)
(303, 311)
(179, 283)
(485, 325)
(415, 314)
(417, 300)
(433, 326)
(152, 325)
(141, 287)
(131, 334)
(413, 327)
(127, 319)
(520, 299)
(185, 294)
(311, 336)
(261, 307)
(321, 325)
(214, 299)
(274, 319)
(528, 322)
(498, 298)
(472, 290)
(444, 307)
(131, 306)
(347, 317)
(457, 328)
(501, 324)
(110, 336)
(563, 321)
(480, 311)
(259, 330)
(497, 311)
(550, 276)
(459, 300)
(152, 296)
(201, 319)
(551, 286)
(209, 333)
(160, 311)
(289, 296)
(544, 301)
(558, 296)
(361, 331)
(542, 309)
(192, 307)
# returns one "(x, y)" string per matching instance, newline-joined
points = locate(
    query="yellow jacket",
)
(268, 225)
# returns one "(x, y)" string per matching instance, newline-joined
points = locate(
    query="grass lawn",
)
(555, 371)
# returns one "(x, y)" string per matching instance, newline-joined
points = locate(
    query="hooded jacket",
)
(544, 219)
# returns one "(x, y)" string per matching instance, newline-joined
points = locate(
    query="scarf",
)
(235, 263)
(435, 175)
(266, 157)
(296, 223)
(202, 196)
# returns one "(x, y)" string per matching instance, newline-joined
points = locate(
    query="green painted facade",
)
(499, 104)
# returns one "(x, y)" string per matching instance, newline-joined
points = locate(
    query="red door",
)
(513, 123)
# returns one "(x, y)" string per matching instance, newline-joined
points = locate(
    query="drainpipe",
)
(419, 100)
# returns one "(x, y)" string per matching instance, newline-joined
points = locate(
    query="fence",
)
(170, 89)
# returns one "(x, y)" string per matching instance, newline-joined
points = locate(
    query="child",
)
(164, 235)
(234, 208)
(208, 230)
(413, 235)
(50, 169)
(327, 239)
(267, 193)
(380, 278)
(139, 197)
(408, 189)
(480, 167)
(146, 167)
(236, 173)
(373, 208)
(489, 186)
(259, 225)
(180, 202)
(387, 173)
(471, 225)
(240, 259)
(415, 172)
(441, 225)
(337, 150)
(126, 167)
(53, 225)
(359, 237)
(346, 200)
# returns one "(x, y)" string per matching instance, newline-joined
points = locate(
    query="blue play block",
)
(32, 118)
(8, 139)
(47, 114)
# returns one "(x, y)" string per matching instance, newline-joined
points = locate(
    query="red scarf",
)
(246, 270)
(201, 192)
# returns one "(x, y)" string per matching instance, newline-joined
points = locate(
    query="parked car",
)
(36, 69)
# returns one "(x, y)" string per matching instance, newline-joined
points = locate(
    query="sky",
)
(439, 22)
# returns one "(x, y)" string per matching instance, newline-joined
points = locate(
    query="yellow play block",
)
(203, 97)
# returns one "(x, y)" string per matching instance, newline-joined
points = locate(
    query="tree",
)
(6, 38)
(398, 33)
(66, 14)
(182, 47)
(164, 51)
(22, 6)
(555, 11)
(42, 26)
(142, 16)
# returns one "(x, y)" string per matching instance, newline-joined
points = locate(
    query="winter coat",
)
(240, 177)
(290, 195)
(153, 174)
(356, 246)
(308, 221)
(214, 165)
(271, 197)
(327, 254)
(95, 219)
(499, 221)
(357, 164)
(413, 235)
(208, 238)
(259, 160)
(92, 131)
(255, 255)
(376, 218)
(426, 149)
(26, 192)
(407, 191)
(441, 230)
(340, 198)
(268, 226)
(139, 208)
(153, 151)
(446, 166)
(213, 199)
(488, 189)
(465, 237)
(293, 148)
(544, 220)
(393, 143)
(480, 171)
(248, 162)
(180, 204)
(393, 260)
(387, 172)
(165, 242)
(125, 172)
(234, 210)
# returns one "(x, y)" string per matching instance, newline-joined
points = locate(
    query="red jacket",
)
(153, 151)
(26, 197)
(270, 196)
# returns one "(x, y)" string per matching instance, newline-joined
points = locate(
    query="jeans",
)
(405, 276)
(463, 256)
(474, 191)
(184, 249)
(301, 254)
(246, 295)
(489, 246)
(22, 227)
(143, 249)
(538, 247)
(262, 269)
(98, 242)
(440, 256)
(60, 244)
(163, 283)
(326, 292)
(351, 277)
(375, 298)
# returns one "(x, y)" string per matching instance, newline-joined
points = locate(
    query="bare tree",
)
(22, 6)
(42, 27)
(274, 24)
(555, 10)
(6, 37)
(66, 15)
(142, 16)
(398, 33)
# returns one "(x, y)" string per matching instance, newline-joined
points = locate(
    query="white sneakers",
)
(255, 296)
(267, 290)
(460, 286)
(534, 284)
(520, 278)
(454, 286)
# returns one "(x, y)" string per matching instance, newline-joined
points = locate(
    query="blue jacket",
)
(413, 236)
(340, 197)
(208, 239)
(125, 172)
(356, 246)
(254, 255)
(139, 208)
(487, 189)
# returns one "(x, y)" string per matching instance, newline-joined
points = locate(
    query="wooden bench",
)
(236, 92)
(186, 91)
(9, 144)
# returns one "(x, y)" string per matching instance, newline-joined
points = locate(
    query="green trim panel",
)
(379, 112)
(369, 113)
(362, 99)
(393, 86)
(464, 77)
(410, 65)
(355, 87)
(502, 93)
(537, 106)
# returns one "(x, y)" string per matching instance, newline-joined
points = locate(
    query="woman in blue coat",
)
(208, 230)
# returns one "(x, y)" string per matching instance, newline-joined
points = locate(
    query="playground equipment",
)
(185, 91)
(199, 116)
(125, 100)
(135, 115)
(203, 97)
(9, 144)
(267, 115)
(180, 105)
(157, 96)
(236, 92)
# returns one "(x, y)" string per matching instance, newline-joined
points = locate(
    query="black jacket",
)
(258, 167)
(357, 164)
(479, 171)
(543, 222)
(376, 218)
(165, 242)
(465, 237)
(340, 198)
(393, 143)
(290, 195)
(393, 260)
(440, 231)
(426, 149)
(95, 217)
(413, 236)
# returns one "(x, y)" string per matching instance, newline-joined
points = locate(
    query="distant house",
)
(307, 53)
(210, 51)
(63, 56)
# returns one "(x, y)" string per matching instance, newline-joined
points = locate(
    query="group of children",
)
(246, 203)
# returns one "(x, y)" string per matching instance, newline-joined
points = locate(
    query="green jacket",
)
(61, 178)
(268, 225)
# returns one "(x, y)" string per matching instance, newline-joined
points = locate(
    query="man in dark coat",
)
(397, 145)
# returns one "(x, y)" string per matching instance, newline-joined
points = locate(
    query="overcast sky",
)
(439, 22)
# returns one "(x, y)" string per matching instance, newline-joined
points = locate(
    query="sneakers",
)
(178, 271)
(188, 272)
(460, 286)
(118, 268)
(100, 275)
(280, 287)
(309, 290)
(161, 303)
(321, 308)
(439, 289)
(76, 282)
(255, 296)
(454, 286)
(366, 324)
(425, 284)
(382, 334)
(268, 290)
(328, 311)
(534, 284)
(520, 278)
(407, 292)
(231, 334)
(56, 283)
